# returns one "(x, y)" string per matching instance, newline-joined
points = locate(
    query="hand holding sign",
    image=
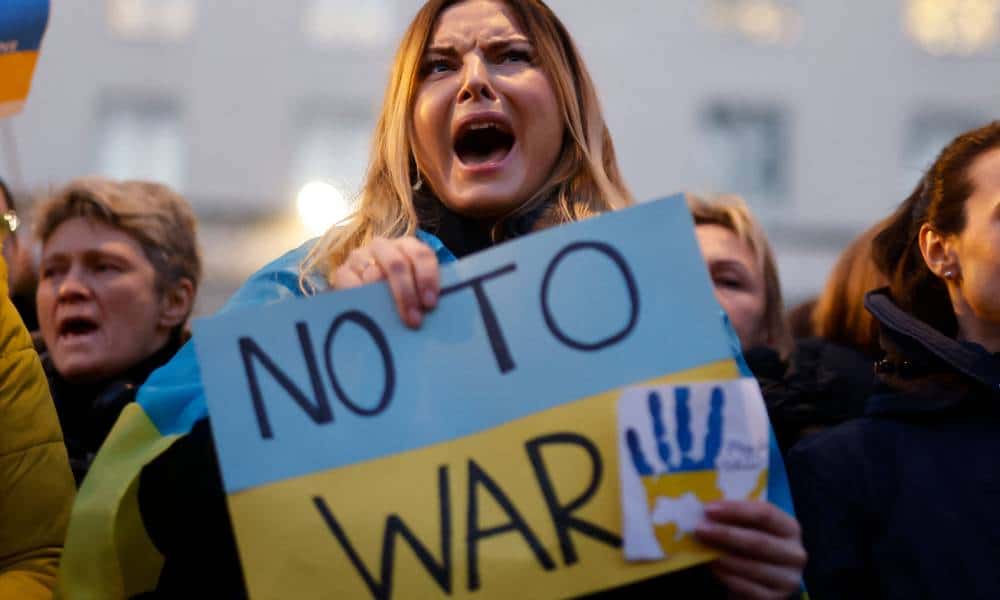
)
(409, 265)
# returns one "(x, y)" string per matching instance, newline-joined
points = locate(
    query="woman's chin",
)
(483, 200)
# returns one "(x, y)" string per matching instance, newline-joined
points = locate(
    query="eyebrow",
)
(89, 254)
(728, 263)
(442, 50)
(491, 44)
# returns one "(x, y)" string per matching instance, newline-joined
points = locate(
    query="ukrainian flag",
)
(22, 25)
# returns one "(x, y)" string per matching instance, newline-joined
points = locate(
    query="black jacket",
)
(88, 412)
(903, 502)
(822, 384)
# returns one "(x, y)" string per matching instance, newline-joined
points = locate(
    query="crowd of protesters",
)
(881, 391)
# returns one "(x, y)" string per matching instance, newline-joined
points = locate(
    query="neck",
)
(460, 234)
(972, 328)
(467, 235)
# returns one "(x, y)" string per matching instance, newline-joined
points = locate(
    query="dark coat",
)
(88, 412)
(903, 502)
(822, 384)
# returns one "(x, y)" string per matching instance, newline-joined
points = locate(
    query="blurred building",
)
(822, 113)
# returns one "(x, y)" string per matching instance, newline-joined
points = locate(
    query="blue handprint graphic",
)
(677, 486)
(685, 439)
(666, 480)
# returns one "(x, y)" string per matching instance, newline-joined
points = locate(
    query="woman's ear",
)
(176, 303)
(939, 253)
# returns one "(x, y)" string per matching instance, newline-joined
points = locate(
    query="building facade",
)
(823, 114)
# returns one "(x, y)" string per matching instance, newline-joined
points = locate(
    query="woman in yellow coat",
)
(36, 486)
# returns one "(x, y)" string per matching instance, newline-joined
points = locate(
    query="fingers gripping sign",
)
(682, 447)
(409, 266)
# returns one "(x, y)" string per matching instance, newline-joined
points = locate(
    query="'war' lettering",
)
(562, 514)
(394, 527)
(479, 478)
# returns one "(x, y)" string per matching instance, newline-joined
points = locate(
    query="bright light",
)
(321, 205)
(959, 27)
(760, 21)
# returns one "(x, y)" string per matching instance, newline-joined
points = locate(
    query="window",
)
(152, 20)
(953, 27)
(346, 23)
(927, 133)
(142, 138)
(760, 21)
(328, 163)
(745, 151)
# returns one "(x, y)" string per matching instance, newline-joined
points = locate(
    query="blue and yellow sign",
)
(477, 456)
(22, 25)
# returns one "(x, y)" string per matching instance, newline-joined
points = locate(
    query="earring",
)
(949, 274)
(419, 184)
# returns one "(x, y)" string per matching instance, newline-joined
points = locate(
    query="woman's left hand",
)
(763, 556)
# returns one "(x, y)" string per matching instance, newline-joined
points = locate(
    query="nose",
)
(73, 286)
(476, 83)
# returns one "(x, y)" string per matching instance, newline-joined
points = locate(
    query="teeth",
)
(476, 126)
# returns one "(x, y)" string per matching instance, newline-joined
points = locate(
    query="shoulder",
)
(172, 396)
(848, 459)
(276, 281)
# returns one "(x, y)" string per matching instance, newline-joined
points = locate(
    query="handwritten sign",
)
(479, 455)
(22, 25)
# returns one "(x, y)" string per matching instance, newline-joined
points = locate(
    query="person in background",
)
(799, 318)
(36, 487)
(490, 129)
(839, 315)
(805, 383)
(21, 272)
(743, 270)
(902, 503)
(118, 276)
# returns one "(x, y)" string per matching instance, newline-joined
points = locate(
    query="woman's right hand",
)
(409, 265)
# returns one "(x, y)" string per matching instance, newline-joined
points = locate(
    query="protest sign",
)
(478, 455)
(22, 25)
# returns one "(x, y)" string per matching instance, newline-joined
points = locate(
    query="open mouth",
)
(77, 326)
(483, 142)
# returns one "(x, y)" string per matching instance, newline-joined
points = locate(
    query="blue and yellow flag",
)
(22, 25)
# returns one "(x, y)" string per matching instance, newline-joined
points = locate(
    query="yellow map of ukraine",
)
(676, 491)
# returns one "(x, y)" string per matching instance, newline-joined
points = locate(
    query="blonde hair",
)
(158, 218)
(584, 181)
(731, 212)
